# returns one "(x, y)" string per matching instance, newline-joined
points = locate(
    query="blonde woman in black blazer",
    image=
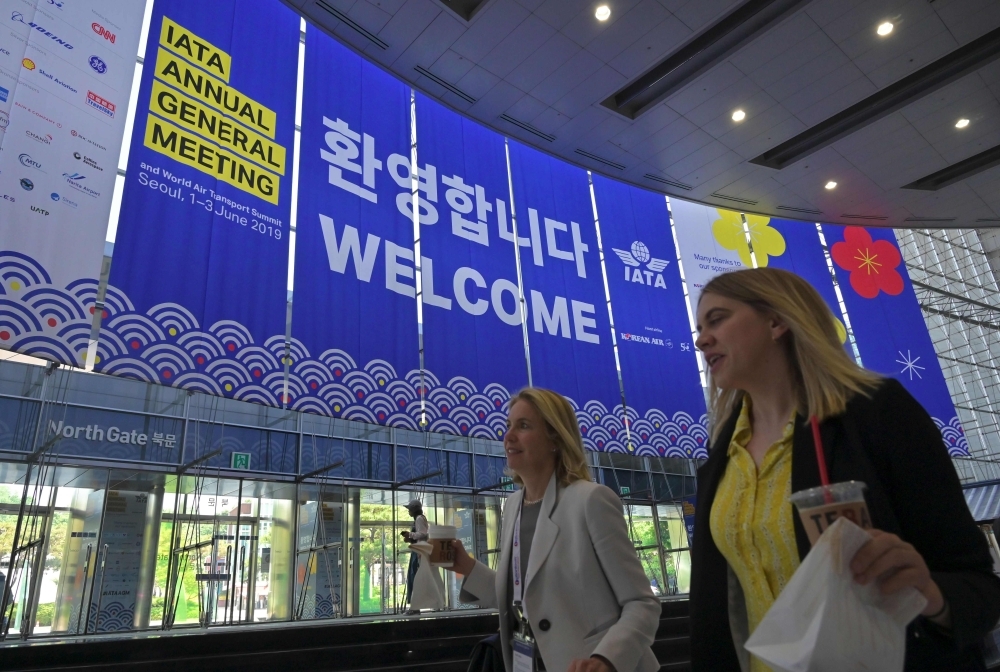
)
(588, 601)
(768, 335)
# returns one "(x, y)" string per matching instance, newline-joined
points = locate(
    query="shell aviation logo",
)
(637, 255)
(872, 264)
(728, 231)
(28, 63)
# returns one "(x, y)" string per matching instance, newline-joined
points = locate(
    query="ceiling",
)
(544, 71)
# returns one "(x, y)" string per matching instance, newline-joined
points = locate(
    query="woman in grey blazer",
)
(586, 601)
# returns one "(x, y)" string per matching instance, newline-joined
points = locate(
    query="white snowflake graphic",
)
(909, 363)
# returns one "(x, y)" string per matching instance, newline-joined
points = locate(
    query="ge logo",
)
(98, 65)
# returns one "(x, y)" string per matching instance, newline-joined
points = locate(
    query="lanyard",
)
(515, 560)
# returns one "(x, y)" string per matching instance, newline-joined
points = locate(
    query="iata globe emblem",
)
(635, 257)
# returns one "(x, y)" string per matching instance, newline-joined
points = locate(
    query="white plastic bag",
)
(824, 621)
(428, 589)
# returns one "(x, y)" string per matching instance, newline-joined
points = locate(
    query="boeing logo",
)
(635, 258)
(19, 17)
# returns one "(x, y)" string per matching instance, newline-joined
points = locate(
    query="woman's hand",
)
(464, 563)
(590, 665)
(896, 565)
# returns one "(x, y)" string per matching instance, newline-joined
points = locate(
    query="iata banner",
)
(805, 257)
(663, 395)
(197, 295)
(888, 324)
(355, 349)
(66, 71)
(569, 330)
(473, 338)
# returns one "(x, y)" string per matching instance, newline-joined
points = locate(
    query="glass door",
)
(676, 552)
(642, 531)
(319, 552)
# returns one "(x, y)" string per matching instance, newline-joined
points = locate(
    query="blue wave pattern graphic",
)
(166, 345)
(41, 319)
(115, 617)
(954, 436)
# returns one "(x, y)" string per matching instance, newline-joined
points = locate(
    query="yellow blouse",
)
(751, 521)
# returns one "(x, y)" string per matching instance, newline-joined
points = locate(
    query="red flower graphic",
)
(872, 264)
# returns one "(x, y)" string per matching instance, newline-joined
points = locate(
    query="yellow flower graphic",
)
(841, 330)
(728, 230)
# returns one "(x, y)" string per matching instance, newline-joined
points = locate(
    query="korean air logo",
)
(641, 266)
(98, 65)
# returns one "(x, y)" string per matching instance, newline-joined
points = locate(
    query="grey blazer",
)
(585, 590)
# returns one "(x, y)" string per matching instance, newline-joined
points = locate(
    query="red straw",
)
(824, 477)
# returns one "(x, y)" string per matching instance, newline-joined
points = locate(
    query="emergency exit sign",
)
(240, 461)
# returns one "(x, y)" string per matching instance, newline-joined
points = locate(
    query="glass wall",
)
(126, 506)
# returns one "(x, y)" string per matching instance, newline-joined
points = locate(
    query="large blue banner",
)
(569, 333)
(888, 325)
(355, 351)
(198, 282)
(663, 394)
(804, 256)
(473, 339)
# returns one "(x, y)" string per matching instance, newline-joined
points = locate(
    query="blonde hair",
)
(825, 377)
(562, 428)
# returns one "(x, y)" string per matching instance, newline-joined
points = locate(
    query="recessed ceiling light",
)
(602, 13)
(884, 28)
(962, 123)
(831, 185)
(739, 115)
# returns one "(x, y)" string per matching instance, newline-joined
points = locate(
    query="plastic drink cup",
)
(819, 507)
(440, 538)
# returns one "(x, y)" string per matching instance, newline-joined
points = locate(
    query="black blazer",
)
(890, 442)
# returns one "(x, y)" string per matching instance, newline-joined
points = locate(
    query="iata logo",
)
(28, 63)
(103, 32)
(639, 255)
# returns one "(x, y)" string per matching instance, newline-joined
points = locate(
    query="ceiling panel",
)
(550, 63)
(523, 41)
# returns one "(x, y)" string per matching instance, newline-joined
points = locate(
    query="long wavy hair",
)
(824, 375)
(564, 431)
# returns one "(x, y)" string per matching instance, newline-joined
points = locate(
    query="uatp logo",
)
(634, 259)
(28, 63)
